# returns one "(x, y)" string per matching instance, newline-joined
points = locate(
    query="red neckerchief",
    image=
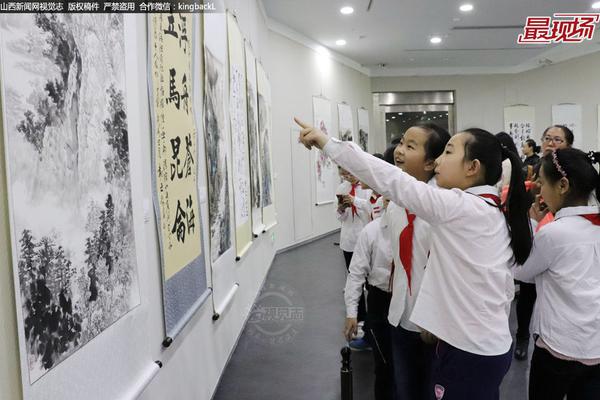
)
(593, 218)
(353, 194)
(406, 248)
(492, 197)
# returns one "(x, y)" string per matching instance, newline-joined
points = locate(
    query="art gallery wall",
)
(480, 99)
(297, 74)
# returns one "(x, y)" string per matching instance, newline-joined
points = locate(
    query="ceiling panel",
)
(397, 32)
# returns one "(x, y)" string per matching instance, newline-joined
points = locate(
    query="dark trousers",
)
(362, 309)
(412, 364)
(460, 375)
(378, 305)
(551, 378)
(525, 303)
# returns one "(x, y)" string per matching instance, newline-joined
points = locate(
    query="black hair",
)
(396, 140)
(569, 137)
(507, 142)
(485, 147)
(378, 155)
(436, 141)
(388, 154)
(531, 143)
(579, 170)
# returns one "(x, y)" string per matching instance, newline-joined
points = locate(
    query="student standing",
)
(466, 293)
(411, 243)
(565, 264)
(372, 261)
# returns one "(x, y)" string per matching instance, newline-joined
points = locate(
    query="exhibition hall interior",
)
(300, 200)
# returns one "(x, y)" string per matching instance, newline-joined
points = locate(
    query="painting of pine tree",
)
(69, 180)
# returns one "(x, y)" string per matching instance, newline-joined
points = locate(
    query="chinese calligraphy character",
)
(179, 225)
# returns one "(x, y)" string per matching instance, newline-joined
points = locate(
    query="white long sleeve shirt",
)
(353, 224)
(403, 300)
(372, 260)
(466, 293)
(565, 265)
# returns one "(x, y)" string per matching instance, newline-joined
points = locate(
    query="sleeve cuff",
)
(333, 147)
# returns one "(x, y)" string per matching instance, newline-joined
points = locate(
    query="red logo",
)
(439, 392)
(565, 28)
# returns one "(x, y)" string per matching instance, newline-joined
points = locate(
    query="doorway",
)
(401, 110)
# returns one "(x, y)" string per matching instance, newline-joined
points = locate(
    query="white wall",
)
(298, 73)
(480, 99)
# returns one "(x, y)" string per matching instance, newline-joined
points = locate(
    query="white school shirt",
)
(352, 225)
(466, 293)
(403, 300)
(565, 265)
(372, 260)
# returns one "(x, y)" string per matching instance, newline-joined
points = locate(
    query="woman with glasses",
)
(556, 137)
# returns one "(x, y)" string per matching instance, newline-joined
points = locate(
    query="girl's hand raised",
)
(310, 136)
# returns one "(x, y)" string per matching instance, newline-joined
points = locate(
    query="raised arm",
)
(432, 204)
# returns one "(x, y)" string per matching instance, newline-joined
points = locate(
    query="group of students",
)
(441, 260)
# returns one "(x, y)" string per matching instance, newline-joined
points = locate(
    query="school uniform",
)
(353, 219)
(372, 261)
(466, 293)
(412, 356)
(564, 264)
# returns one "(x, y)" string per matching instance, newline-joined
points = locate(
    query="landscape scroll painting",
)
(264, 135)
(253, 141)
(69, 188)
(345, 123)
(363, 128)
(216, 135)
(326, 174)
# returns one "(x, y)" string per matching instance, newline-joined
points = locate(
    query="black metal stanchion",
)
(346, 374)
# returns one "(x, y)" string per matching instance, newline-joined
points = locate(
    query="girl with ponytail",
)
(564, 264)
(464, 299)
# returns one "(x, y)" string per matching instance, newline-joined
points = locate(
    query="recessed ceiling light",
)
(340, 42)
(347, 10)
(387, 120)
(466, 7)
(393, 117)
(436, 40)
(596, 5)
(399, 113)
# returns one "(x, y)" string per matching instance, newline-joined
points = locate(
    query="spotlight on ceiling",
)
(347, 10)
(466, 7)
(340, 42)
(436, 40)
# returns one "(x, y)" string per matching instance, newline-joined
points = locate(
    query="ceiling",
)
(397, 32)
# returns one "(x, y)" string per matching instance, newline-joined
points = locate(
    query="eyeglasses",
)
(555, 139)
